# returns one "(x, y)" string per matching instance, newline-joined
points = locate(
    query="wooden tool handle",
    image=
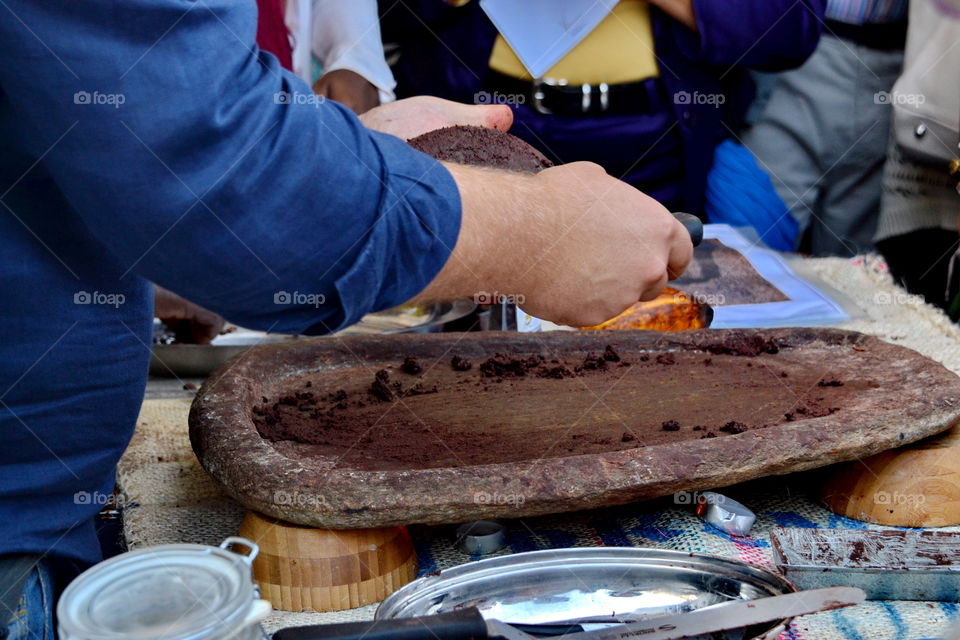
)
(466, 624)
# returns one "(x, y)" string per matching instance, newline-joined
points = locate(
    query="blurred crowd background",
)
(830, 127)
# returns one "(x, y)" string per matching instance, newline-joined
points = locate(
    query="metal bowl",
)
(565, 584)
(200, 360)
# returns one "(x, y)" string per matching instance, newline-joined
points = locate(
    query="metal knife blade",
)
(729, 615)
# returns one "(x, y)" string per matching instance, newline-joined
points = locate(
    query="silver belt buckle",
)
(538, 95)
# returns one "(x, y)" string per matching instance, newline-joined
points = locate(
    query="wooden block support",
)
(914, 486)
(305, 569)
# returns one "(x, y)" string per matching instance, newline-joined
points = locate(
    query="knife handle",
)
(693, 225)
(465, 624)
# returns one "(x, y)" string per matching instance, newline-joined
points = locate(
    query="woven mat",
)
(170, 499)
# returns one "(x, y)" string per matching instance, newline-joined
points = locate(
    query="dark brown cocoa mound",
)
(610, 354)
(482, 147)
(670, 425)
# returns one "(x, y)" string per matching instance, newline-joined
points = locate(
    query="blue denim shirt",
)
(150, 140)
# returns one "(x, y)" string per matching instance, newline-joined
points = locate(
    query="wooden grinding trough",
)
(577, 426)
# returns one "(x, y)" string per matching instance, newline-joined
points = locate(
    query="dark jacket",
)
(445, 51)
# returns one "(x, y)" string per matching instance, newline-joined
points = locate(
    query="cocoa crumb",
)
(557, 373)
(627, 437)
(734, 427)
(666, 358)
(829, 383)
(189, 387)
(610, 355)
(593, 363)
(707, 362)
(502, 366)
(380, 387)
(420, 390)
(671, 425)
(744, 345)
(708, 434)
(458, 363)
(411, 365)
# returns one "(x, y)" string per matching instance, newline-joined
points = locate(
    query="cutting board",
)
(585, 420)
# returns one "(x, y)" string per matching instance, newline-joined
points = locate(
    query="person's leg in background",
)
(26, 598)
(917, 232)
(787, 140)
(850, 206)
(919, 261)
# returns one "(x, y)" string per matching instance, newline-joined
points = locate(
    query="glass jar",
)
(174, 592)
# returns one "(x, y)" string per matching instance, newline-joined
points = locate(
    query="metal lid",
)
(177, 592)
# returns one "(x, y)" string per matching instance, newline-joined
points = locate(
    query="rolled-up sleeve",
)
(200, 164)
(761, 34)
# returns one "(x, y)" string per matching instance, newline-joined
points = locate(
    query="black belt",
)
(889, 36)
(558, 97)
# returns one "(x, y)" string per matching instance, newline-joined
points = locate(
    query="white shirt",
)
(342, 35)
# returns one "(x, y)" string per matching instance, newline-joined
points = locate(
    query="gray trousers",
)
(823, 140)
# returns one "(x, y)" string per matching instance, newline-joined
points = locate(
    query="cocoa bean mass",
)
(508, 407)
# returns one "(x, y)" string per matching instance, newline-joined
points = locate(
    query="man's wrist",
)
(484, 258)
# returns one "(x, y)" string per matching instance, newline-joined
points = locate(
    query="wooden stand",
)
(915, 486)
(304, 569)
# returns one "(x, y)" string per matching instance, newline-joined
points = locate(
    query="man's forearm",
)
(680, 10)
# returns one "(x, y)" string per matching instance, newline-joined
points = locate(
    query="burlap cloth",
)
(170, 499)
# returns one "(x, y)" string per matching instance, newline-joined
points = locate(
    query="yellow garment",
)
(618, 50)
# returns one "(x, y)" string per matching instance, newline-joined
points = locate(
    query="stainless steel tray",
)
(195, 360)
(888, 565)
(563, 584)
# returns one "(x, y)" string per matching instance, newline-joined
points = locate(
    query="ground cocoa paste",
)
(527, 406)
(481, 146)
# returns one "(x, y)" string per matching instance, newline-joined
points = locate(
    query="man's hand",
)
(349, 89)
(576, 244)
(191, 323)
(412, 117)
